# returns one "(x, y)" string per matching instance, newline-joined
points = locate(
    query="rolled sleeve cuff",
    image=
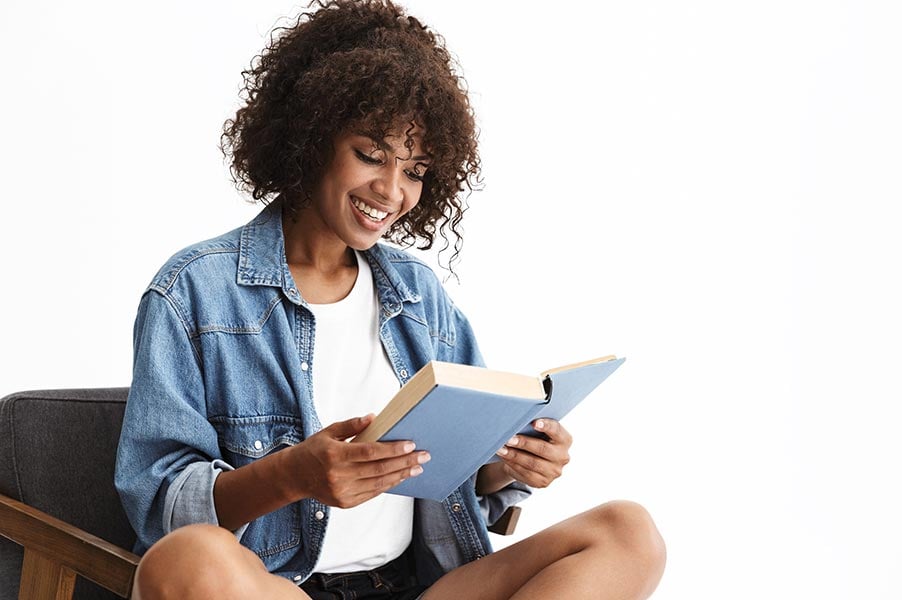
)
(494, 505)
(189, 499)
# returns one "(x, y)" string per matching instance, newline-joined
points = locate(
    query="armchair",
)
(57, 452)
(62, 528)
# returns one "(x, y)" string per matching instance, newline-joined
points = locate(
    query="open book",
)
(462, 415)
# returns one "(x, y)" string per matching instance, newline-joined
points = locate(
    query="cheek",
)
(412, 197)
(348, 175)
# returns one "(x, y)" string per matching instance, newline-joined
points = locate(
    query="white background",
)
(706, 188)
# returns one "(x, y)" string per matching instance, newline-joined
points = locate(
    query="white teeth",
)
(373, 213)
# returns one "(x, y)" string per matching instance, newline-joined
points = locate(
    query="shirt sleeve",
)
(168, 457)
(467, 352)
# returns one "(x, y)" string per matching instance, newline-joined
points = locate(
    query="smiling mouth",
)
(373, 214)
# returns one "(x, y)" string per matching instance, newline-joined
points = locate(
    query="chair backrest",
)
(57, 454)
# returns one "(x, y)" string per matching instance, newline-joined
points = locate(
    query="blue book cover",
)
(462, 415)
(461, 428)
(567, 387)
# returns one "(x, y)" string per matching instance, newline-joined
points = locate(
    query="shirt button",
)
(258, 445)
(319, 515)
(403, 372)
(293, 292)
(297, 577)
(304, 366)
(455, 507)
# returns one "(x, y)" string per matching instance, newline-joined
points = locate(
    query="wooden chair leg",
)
(508, 521)
(44, 578)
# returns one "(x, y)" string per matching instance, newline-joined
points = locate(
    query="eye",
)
(370, 160)
(418, 173)
(413, 175)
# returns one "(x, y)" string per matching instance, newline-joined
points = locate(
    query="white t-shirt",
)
(353, 377)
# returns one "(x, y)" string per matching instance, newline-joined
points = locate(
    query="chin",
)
(362, 244)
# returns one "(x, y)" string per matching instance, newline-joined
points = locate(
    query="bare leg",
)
(203, 562)
(613, 551)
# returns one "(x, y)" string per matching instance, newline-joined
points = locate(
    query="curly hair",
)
(362, 65)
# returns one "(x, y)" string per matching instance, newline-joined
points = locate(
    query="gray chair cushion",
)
(57, 454)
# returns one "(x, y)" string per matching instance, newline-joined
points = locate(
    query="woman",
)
(258, 353)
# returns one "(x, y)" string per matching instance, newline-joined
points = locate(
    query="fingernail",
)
(540, 424)
(502, 451)
(409, 446)
(513, 441)
(424, 458)
(416, 471)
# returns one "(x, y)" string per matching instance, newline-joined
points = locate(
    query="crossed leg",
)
(613, 551)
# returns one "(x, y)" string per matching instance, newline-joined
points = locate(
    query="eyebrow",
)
(422, 158)
(385, 147)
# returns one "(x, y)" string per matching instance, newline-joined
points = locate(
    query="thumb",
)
(342, 430)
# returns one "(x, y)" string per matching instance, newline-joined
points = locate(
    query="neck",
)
(309, 244)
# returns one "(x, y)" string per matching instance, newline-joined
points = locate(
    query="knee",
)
(631, 527)
(195, 561)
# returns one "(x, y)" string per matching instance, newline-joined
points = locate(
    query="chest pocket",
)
(274, 537)
(243, 440)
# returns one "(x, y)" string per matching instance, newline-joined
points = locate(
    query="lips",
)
(371, 212)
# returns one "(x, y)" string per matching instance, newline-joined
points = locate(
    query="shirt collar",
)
(261, 259)
(390, 286)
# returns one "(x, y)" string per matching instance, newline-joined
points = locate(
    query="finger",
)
(530, 478)
(537, 446)
(526, 462)
(374, 486)
(342, 430)
(549, 450)
(370, 487)
(554, 430)
(346, 483)
(374, 451)
(381, 468)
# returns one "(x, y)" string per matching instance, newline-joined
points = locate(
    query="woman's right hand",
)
(342, 474)
(324, 466)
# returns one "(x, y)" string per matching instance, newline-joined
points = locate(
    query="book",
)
(463, 415)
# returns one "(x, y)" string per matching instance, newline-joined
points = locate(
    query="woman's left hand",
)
(537, 461)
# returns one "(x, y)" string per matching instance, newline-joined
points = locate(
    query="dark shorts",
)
(393, 581)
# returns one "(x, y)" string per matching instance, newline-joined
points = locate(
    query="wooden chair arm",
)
(55, 552)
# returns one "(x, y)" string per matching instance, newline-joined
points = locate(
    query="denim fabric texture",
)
(223, 367)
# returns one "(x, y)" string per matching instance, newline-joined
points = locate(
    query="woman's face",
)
(370, 184)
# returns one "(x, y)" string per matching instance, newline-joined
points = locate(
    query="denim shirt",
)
(223, 369)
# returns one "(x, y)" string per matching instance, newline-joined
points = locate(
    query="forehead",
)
(402, 138)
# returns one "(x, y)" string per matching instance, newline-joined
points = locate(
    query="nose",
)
(388, 183)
